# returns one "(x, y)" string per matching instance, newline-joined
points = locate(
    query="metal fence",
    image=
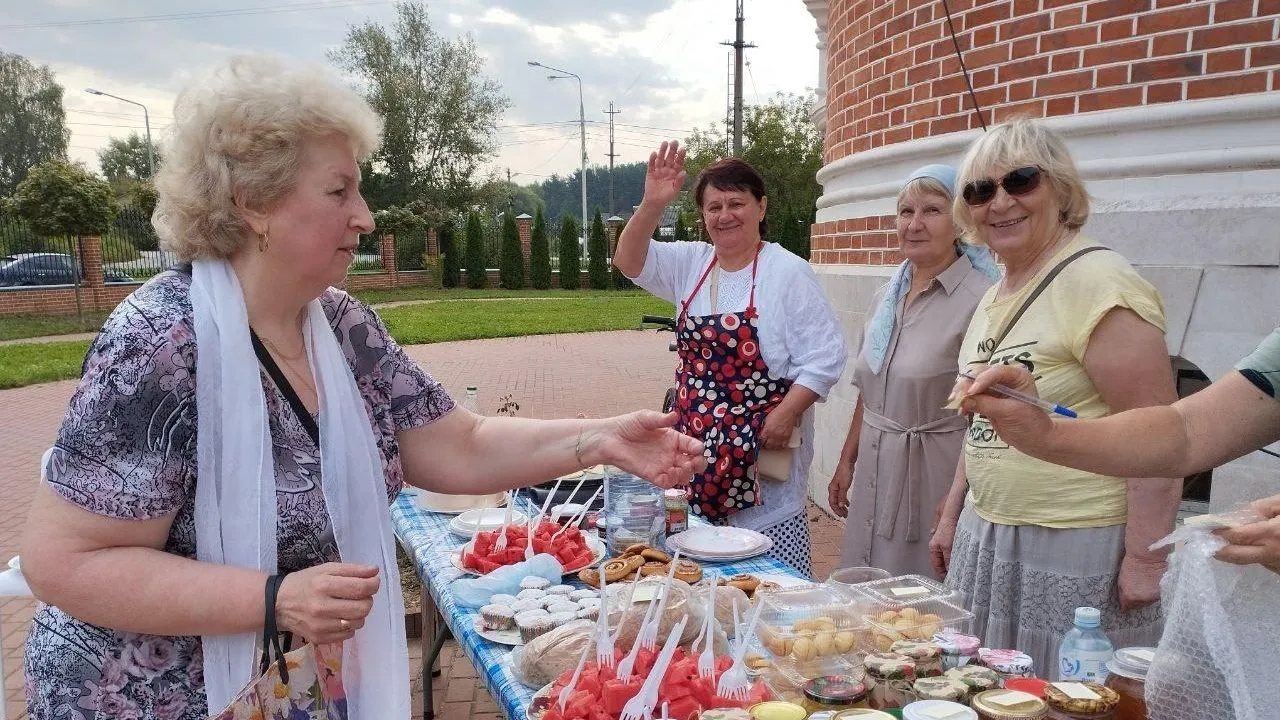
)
(130, 249)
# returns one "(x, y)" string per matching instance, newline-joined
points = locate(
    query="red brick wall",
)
(892, 74)
(860, 241)
(62, 300)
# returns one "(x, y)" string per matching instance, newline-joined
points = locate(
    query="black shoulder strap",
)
(291, 395)
(1044, 283)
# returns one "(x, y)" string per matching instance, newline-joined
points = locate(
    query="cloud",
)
(659, 61)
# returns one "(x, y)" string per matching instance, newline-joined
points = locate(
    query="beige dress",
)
(909, 445)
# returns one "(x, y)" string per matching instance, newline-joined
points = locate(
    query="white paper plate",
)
(719, 542)
(457, 504)
(596, 544)
(502, 637)
(470, 522)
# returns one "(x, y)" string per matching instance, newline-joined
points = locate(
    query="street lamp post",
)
(582, 125)
(151, 159)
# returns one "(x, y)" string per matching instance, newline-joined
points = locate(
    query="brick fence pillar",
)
(388, 247)
(524, 225)
(433, 243)
(90, 248)
(613, 227)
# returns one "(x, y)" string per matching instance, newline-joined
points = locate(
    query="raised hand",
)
(665, 175)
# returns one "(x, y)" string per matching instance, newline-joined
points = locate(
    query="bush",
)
(570, 260)
(620, 281)
(511, 264)
(597, 255)
(411, 245)
(540, 254)
(681, 233)
(58, 198)
(17, 237)
(476, 276)
(450, 272)
(431, 270)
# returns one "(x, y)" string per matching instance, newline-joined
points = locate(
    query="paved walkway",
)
(597, 374)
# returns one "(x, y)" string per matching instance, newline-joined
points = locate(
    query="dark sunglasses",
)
(1018, 182)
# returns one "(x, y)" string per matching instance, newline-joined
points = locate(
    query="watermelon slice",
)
(616, 693)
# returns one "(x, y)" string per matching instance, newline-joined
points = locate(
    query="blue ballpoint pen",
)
(1028, 399)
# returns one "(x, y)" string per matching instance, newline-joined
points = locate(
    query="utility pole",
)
(511, 197)
(738, 45)
(611, 112)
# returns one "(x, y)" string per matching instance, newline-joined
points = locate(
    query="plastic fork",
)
(604, 642)
(734, 683)
(576, 516)
(640, 707)
(707, 658)
(501, 543)
(629, 662)
(649, 633)
(573, 681)
(536, 520)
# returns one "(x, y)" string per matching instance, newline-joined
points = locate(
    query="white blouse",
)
(800, 339)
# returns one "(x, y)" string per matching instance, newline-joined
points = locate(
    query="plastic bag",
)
(546, 657)
(474, 592)
(1216, 658)
(683, 601)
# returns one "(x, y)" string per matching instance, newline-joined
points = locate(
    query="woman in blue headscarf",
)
(901, 451)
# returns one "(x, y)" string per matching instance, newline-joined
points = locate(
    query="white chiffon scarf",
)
(235, 512)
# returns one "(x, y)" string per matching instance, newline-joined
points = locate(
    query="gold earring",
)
(263, 241)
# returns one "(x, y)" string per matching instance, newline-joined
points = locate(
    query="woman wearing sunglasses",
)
(902, 445)
(1027, 541)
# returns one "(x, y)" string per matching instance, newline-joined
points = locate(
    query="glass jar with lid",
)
(1081, 701)
(834, 692)
(1008, 705)
(1128, 677)
(889, 678)
(933, 709)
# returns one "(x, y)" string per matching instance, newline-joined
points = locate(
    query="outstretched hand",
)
(644, 443)
(665, 175)
(1257, 542)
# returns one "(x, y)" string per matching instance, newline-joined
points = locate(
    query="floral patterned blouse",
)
(127, 449)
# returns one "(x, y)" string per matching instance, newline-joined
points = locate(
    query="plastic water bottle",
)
(1085, 649)
(471, 402)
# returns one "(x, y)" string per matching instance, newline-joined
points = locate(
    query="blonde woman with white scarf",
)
(240, 419)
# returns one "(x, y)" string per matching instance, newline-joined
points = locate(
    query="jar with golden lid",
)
(1081, 701)
(1008, 705)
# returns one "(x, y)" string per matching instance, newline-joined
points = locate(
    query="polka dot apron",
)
(724, 392)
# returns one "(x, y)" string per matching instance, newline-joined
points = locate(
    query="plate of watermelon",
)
(599, 695)
(573, 548)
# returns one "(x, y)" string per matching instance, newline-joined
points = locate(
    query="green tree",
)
(681, 232)
(511, 266)
(439, 108)
(126, 158)
(476, 276)
(499, 196)
(783, 145)
(450, 270)
(60, 199)
(33, 125)
(570, 254)
(597, 250)
(539, 253)
(620, 281)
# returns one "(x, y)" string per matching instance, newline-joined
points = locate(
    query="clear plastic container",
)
(804, 623)
(845, 578)
(901, 590)
(918, 620)
(634, 513)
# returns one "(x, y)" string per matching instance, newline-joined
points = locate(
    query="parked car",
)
(46, 269)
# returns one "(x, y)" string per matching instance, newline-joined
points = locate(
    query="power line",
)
(199, 14)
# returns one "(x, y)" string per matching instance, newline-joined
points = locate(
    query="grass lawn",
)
(26, 326)
(31, 363)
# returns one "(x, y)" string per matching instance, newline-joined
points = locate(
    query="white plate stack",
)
(471, 522)
(720, 544)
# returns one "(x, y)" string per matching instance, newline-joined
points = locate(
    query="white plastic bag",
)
(1216, 658)
(474, 592)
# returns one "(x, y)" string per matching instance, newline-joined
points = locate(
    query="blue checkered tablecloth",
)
(426, 537)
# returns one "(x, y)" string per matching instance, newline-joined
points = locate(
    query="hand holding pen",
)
(1031, 400)
(1006, 395)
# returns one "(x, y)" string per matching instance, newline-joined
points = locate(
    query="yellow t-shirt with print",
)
(1050, 340)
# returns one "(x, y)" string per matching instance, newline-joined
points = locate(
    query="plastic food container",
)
(1008, 705)
(1128, 678)
(806, 623)
(937, 710)
(889, 679)
(927, 656)
(907, 607)
(844, 578)
(1081, 701)
(834, 693)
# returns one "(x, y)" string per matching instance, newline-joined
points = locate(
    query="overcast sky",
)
(659, 61)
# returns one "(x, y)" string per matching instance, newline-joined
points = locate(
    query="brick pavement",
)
(597, 374)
